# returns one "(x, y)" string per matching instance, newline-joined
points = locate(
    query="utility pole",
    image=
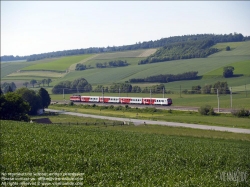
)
(63, 94)
(231, 97)
(180, 90)
(218, 100)
(150, 97)
(102, 95)
(246, 89)
(119, 91)
(163, 92)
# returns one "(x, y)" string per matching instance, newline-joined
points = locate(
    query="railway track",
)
(172, 107)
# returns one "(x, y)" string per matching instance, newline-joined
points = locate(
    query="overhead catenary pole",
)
(231, 97)
(63, 94)
(163, 92)
(102, 95)
(119, 91)
(246, 89)
(180, 90)
(150, 97)
(218, 100)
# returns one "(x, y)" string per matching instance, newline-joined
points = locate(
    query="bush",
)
(71, 103)
(241, 113)
(206, 110)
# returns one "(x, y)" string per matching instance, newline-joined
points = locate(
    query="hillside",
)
(141, 45)
(108, 76)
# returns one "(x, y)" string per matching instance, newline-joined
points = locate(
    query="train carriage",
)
(109, 99)
(92, 99)
(75, 98)
(130, 100)
(156, 101)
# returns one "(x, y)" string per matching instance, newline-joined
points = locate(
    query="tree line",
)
(209, 89)
(167, 77)
(67, 87)
(235, 37)
(112, 63)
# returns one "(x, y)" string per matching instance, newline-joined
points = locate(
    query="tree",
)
(228, 48)
(44, 81)
(221, 86)
(48, 81)
(228, 71)
(39, 83)
(81, 85)
(13, 107)
(45, 97)
(26, 84)
(8, 87)
(30, 96)
(33, 82)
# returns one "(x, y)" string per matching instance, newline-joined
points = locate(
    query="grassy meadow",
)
(149, 113)
(120, 157)
(62, 64)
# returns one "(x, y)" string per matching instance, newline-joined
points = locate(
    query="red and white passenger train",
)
(122, 100)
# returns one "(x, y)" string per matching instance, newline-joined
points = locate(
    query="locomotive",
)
(122, 100)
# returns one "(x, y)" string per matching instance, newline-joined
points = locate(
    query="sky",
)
(34, 27)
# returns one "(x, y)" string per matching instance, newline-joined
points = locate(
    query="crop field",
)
(10, 67)
(31, 74)
(242, 49)
(232, 45)
(126, 54)
(106, 157)
(122, 74)
(62, 64)
(240, 69)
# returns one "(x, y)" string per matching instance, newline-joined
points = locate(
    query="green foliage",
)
(33, 82)
(182, 50)
(228, 71)
(45, 97)
(30, 96)
(112, 63)
(228, 48)
(80, 67)
(66, 87)
(48, 81)
(120, 87)
(206, 110)
(241, 113)
(13, 107)
(26, 84)
(222, 88)
(71, 103)
(8, 87)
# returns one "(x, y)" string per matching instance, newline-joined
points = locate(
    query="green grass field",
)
(29, 74)
(59, 65)
(226, 120)
(11, 67)
(232, 45)
(112, 156)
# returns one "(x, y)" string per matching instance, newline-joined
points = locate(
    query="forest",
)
(181, 50)
(235, 37)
